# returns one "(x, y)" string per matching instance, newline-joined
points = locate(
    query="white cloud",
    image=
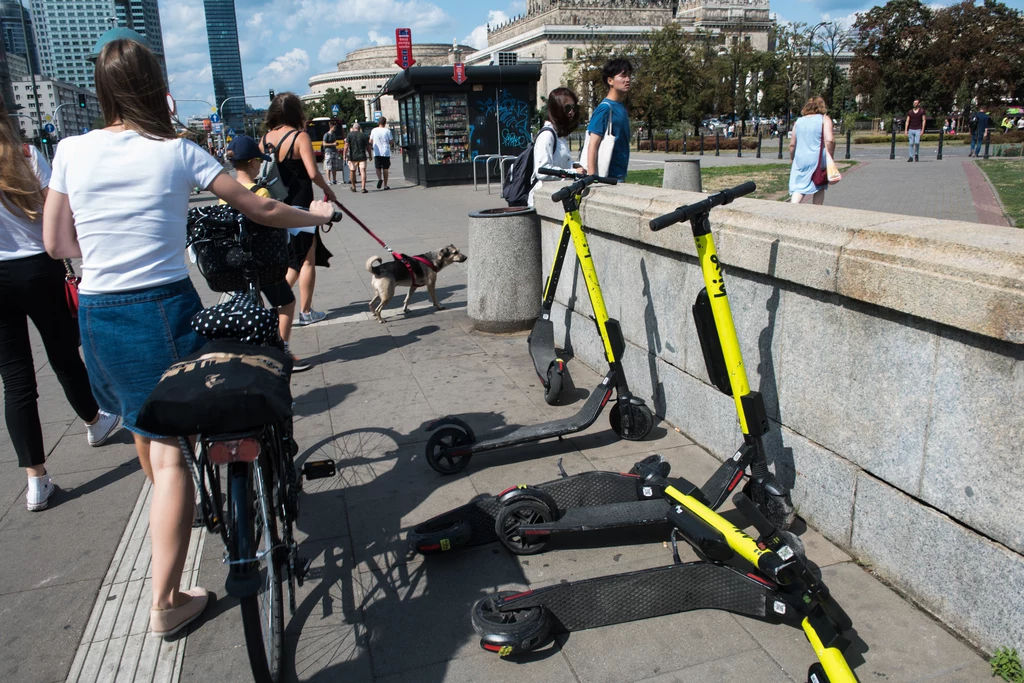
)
(288, 63)
(379, 39)
(415, 14)
(478, 36)
(335, 49)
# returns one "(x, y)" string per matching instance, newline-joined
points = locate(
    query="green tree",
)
(895, 54)
(349, 108)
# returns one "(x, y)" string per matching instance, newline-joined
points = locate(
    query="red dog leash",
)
(397, 255)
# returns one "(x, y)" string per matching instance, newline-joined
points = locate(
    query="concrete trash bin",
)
(682, 174)
(505, 280)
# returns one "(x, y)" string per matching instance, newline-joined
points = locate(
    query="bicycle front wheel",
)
(254, 535)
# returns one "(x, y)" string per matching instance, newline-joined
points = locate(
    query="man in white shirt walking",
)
(380, 139)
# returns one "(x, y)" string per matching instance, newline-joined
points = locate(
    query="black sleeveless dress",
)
(300, 193)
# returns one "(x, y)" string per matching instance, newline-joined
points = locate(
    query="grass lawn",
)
(772, 179)
(1005, 176)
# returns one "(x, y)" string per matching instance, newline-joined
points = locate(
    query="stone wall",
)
(890, 353)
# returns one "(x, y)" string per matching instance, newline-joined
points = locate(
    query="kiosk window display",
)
(447, 128)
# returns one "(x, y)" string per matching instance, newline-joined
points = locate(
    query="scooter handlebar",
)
(581, 184)
(684, 213)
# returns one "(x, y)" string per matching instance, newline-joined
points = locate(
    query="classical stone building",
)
(366, 70)
(553, 31)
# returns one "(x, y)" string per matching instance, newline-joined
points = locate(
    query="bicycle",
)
(254, 505)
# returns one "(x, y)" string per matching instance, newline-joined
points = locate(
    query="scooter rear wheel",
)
(430, 539)
(509, 632)
(553, 387)
(640, 425)
(447, 438)
(514, 515)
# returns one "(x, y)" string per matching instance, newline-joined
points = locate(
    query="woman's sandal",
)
(167, 622)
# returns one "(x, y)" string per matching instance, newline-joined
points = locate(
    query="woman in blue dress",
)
(805, 150)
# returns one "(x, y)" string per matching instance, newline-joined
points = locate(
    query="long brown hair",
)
(131, 89)
(285, 110)
(20, 192)
(564, 111)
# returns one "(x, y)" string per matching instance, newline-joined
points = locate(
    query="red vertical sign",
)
(459, 75)
(403, 46)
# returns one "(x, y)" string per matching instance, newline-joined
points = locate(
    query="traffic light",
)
(44, 138)
(81, 100)
(271, 94)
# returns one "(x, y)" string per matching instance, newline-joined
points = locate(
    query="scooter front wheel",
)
(816, 674)
(512, 516)
(553, 387)
(509, 632)
(777, 509)
(441, 443)
(640, 423)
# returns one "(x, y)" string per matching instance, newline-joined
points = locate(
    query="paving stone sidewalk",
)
(371, 611)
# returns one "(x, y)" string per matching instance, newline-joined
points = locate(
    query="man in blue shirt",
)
(617, 76)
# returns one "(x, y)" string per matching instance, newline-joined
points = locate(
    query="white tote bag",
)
(604, 152)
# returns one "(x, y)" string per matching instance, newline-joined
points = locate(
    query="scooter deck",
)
(579, 490)
(530, 433)
(649, 593)
(611, 516)
(542, 344)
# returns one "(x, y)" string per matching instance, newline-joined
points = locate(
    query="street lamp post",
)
(810, 45)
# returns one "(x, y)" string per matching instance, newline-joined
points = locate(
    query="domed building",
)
(365, 71)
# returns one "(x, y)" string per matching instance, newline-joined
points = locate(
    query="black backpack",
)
(974, 122)
(520, 178)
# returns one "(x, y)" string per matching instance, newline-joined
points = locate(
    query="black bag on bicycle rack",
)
(214, 234)
(227, 386)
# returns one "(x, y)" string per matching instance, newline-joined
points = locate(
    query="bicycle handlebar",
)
(686, 212)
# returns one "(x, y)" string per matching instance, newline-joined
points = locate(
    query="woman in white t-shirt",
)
(32, 287)
(551, 148)
(119, 199)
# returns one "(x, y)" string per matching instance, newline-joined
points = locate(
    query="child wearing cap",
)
(245, 157)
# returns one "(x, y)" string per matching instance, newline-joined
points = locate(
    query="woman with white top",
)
(119, 199)
(551, 148)
(32, 287)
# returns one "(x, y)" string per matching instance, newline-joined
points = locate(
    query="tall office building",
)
(226, 62)
(14, 36)
(66, 33)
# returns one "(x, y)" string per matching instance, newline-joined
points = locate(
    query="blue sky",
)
(284, 42)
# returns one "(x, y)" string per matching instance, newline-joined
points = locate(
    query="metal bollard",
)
(717, 136)
(638, 134)
(759, 145)
(849, 133)
(702, 144)
(988, 139)
(780, 145)
(684, 142)
(942, 134)
(892, 150)
(666, 142)
(739, 145)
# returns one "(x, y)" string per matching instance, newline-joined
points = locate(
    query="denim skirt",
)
(130, 338)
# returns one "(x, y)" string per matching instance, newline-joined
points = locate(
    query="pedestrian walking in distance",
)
(380, 141)
(914, 129)
(979, 125)
(32, 287)
(812, 134)
(357, 150)
(332, 162)
(119, 199)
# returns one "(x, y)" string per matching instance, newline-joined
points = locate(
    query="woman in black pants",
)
(32, 286)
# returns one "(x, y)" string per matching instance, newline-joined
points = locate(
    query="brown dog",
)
(386, 276)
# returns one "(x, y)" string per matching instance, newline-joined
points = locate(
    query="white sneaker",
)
(100, 431)
(39, 491)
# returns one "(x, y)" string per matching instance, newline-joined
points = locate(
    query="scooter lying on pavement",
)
(766, 579)
(453, 442)
(524, 517)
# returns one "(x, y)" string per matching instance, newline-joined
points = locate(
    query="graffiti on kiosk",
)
(514, 116)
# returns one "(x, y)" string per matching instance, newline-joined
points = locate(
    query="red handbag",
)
(820, 175)
(71, 282)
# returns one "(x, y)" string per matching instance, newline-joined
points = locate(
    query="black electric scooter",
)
(453, 442)
(525, 517)
(766, 579)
